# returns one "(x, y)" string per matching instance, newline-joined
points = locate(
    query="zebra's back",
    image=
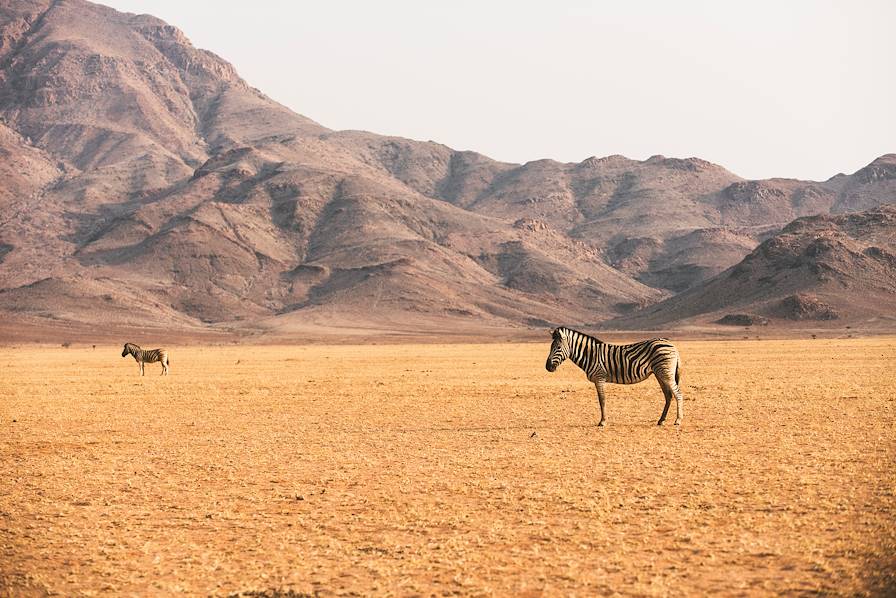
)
(154, 355)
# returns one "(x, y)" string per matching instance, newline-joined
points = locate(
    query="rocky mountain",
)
(817, 270)
(146, 184)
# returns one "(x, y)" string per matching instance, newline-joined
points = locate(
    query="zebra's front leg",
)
(599, 385)
(142, 373)
(667, 392)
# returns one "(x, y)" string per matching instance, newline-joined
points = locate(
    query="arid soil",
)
(446, 469)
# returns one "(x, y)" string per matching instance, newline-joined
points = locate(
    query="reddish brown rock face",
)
(146, 183)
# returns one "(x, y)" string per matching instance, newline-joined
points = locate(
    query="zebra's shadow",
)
(512, 428)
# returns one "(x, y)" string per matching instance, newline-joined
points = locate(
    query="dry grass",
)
(414, 470)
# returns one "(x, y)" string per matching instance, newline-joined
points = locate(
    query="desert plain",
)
(446, 469)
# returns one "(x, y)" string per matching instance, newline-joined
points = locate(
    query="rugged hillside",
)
(161, 187)
(818, 270)
(146, 183)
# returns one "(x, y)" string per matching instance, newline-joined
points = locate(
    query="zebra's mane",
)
(132, 345)
(594, 338)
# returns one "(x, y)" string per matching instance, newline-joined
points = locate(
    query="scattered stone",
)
(531, 224)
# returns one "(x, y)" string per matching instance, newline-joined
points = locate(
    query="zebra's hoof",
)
(660, 423)
(602, 424)
(677, 422)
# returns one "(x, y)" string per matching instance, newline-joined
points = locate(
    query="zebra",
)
(620, 364)
(146, 356)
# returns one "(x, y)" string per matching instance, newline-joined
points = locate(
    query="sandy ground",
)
(446, 469)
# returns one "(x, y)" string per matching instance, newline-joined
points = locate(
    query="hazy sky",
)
(801, 89)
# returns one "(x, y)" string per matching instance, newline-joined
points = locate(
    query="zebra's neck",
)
(582, 350)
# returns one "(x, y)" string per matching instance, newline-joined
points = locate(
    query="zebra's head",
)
(559, 349)
(128, 347)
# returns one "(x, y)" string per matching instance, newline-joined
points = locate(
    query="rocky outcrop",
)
(803, 306)
(742, 320)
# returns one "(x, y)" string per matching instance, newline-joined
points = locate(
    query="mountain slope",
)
(147, 183)
(182, 183)
(817, 269)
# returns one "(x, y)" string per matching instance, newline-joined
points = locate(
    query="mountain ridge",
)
(145, 170)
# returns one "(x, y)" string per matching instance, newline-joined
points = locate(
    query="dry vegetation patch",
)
(468, 469)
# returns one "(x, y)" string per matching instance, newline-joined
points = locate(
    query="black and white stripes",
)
(147, 356)
(620, 364)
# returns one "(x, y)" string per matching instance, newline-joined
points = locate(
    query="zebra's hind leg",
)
(667, 392)
(165, 366)
(679, 399)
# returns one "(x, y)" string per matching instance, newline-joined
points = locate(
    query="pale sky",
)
(802, 89)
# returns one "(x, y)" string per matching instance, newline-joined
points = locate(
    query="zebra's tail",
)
(677, 372)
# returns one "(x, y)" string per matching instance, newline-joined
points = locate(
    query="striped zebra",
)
(146, 356)
(620, 364)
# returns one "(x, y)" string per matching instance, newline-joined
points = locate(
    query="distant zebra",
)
(620, 364)
(147, 356)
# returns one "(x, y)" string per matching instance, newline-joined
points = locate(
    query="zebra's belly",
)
(628, 377)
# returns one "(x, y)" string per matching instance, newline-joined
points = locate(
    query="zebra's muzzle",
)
(550, 366)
